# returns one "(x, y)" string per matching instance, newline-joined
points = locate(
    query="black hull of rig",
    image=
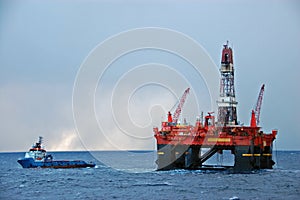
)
(246, 158)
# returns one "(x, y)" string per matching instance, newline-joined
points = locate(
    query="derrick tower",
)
(227, 103)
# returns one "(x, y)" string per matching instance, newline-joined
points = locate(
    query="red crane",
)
(180, 105)
(258, 103)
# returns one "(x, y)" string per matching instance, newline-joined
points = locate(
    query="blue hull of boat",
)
(30, 163)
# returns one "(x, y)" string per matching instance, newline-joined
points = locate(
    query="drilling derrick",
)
(227, 103)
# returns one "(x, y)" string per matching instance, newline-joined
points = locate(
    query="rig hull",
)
(188, 157)
(179, 146)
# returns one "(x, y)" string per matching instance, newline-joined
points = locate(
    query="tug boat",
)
(37, 157)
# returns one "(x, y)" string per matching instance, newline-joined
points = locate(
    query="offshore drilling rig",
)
(179, 146)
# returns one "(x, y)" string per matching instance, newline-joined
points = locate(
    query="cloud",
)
(65, 140)
(31, 110)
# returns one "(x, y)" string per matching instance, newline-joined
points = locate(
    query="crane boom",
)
(258, 103)
(180, 105)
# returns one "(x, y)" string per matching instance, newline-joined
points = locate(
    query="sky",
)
(43, 44)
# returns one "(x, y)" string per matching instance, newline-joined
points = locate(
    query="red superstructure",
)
(179, 145)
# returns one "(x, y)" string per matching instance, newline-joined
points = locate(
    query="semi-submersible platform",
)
(179, 146)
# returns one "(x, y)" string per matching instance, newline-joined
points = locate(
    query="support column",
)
(192, 160)
(266, 161)
(180, 153)
(165, 157)
(243, 160)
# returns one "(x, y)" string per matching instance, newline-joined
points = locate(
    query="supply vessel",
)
(38, 157)
(181, 146)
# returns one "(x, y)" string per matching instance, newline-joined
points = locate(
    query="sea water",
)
(108, 182)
